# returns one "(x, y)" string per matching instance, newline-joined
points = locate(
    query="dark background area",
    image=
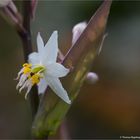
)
(108, 109)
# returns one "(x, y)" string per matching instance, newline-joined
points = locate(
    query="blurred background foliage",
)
(109, 108)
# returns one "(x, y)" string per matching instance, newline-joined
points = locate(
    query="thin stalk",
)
(27, 49)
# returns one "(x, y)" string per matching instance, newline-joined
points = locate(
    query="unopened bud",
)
(77, 31)
(92, 78)
(13, 7)
(4, 3)
(10, 13)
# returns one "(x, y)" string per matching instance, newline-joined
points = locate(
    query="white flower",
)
(4, 2)
(43, 70)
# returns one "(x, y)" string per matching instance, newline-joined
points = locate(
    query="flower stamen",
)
(29, 76)
(26, 68)
(35, 78)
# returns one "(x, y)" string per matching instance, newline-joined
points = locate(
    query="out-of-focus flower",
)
(13, 7)
(9, 11)
(92, 78)
(77, 31)
(4, 3)
(43, 70)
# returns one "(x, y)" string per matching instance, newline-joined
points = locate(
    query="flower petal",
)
(42, 85)
(40, 43)
(51, 48)
(56, 86)
(57, 70)
(33, 58)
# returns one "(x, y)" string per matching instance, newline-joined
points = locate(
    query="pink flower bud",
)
(12, 6)
(92, 78)
(77, 31)
(4, 3)
(10, 12)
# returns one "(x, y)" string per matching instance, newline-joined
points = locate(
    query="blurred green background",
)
(108, 109)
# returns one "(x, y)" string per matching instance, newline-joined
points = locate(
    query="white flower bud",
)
(4, 3)
(77, 31)
(92, 78)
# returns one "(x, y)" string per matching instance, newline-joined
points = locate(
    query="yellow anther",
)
(35, 79)
(26, 70)
(27, 65)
